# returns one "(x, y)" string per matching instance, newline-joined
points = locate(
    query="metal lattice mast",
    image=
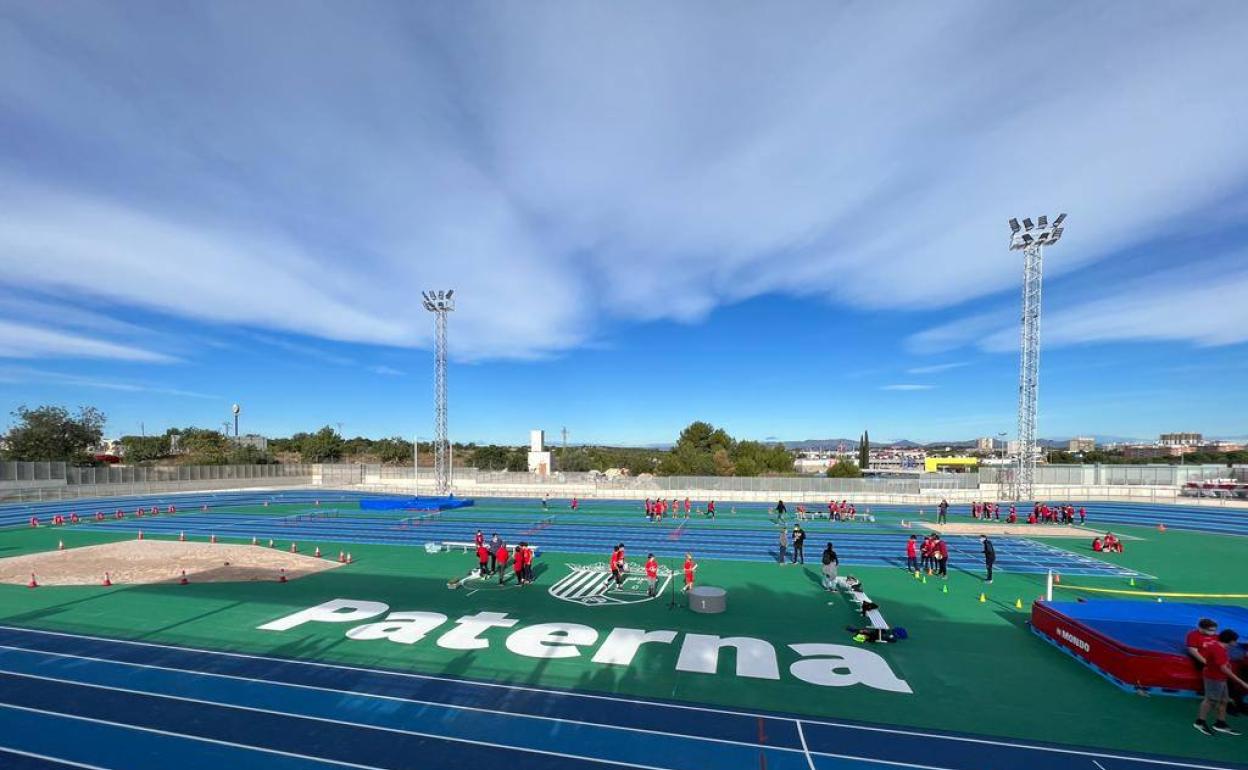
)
(440, 303)
(1030, 239)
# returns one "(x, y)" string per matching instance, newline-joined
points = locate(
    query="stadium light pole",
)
(1030, 238)
(440, 303)
(236, 409)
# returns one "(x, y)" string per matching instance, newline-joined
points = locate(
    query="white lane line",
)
(614, 699)
(805, 749)
(414, 733)
(157, 731)
(58, 760)
(353, 693)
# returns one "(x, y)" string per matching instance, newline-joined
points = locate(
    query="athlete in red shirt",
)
(912, 554)
(617, 564)
(689, 568)
(652, 574)
(1217, 672)
(483, 556)
(479, 539)
(500, 562)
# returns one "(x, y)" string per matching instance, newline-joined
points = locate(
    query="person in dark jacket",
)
(830, 565)
(990, 555)
(799, 544)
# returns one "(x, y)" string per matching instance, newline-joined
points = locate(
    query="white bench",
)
(858, 597)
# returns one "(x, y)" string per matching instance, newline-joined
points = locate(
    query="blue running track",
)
(77, 701)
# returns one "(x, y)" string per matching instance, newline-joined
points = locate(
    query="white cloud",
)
(1203, 305)
(936, 368)
(26, 376)
(311, 173)
(907, 387)
(25, 341)
(386, 370)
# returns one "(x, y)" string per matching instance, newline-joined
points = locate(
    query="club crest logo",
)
(592, 585)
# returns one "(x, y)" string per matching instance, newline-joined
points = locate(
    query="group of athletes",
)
(619, 566)
(1041, 513)
(493, 558)
(658, 508)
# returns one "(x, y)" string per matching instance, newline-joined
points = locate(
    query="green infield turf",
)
(969, 666)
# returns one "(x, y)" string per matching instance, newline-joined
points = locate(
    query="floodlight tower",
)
(440, 303)
(1030, 238)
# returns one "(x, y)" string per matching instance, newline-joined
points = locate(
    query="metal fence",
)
(25, 482)
(1125, 475)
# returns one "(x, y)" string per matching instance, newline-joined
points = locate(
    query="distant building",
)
(541, 461)
(985, 444)
(1081, 444)
(950, 464)
(813, 464)
(1181, 439)
(251, 440)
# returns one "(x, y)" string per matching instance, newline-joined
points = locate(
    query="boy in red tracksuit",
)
(912, 554)
(528, 563)
(483, 556)
(479, 539)
(500, 562)
(689, 568)
(617, 564)
(652, 574)
(518, 562)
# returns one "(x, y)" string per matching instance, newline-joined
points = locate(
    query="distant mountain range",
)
(810, 444)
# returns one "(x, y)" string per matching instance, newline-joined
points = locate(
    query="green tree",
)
(845, 469)
(864, 451)
(491, 457)
(141, 449)
(204, 447)
(323, 446)
(518, 461)
(52, 433)
(393, 451)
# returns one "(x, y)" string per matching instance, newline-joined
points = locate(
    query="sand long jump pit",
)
(142, 562)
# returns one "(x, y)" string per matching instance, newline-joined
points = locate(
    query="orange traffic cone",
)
(318, 552)
(281, 578)
(1057, 577)
(1161, 527)
(33, 583)
(183, 581)
(342, 557)
(106, 582)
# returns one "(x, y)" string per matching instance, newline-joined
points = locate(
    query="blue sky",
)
(788, 219)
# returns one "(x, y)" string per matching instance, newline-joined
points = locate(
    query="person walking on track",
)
(990, 555)
(942, 515)
(830, 566)
(784, 544)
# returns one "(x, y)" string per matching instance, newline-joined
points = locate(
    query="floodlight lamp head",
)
(1027, 223)
(450, 293)
(1058, 222)
(441, 295)
(1014, 226)
(1042, 220)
